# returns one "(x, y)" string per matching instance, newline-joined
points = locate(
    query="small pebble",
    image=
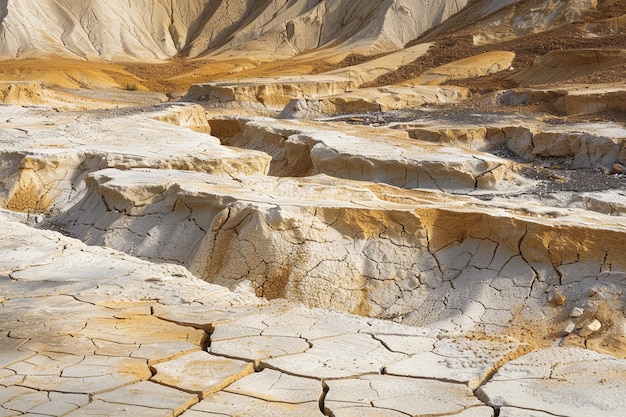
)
(576, 312)
(594, 326)
(559, 299)
(569, 328)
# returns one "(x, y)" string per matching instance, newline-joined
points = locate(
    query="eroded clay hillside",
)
(161, 29)
(344, 208)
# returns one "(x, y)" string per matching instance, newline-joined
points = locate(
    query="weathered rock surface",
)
(374, 394)
(28, 93)
(86, 346)
(574, 145)
(576, 99)
(357, 247)
(475, 66)
(49, 357)
(272, 94)
(475, 230)
(462, 361)
(373, 99)
(379, 155)
(528, 18)
(541, 381)
(45, 155)
(267, 93)
(200, 373)
(563, 65)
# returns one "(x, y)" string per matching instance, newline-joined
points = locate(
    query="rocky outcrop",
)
(389, 156)
(416, 92)
(533, 376)
(586, 145)
(373, 99)
(414, 260)
(575, 145)
(266, 94)
(27, 93)
(368, 249)
(45, 158)
(475, 66)
(126, 336)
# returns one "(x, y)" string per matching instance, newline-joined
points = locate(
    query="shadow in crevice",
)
(290, 158)
(4, 9)
(222, 35)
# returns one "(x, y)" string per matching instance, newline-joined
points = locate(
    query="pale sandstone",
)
(337, 357)
(300, 148)
(398, 252)
(455, 361)
(516, 412)
(284, 319)
(361, 341)
(534, 17)
(255, 348)
(42, 94)
(272, 30)
(200, 373)
(415, 397)
(410, 345)
(93, 340)
(274, 386)
(610, 202)
(573, 382)
(576, 145)
(373, 99)
(273, 94)
(9, 352)
(227, 404)
(150, 395)
(101, 408)
(31, 402)
(370, 70)
(45, 162)
(574, 99)
(266, 93)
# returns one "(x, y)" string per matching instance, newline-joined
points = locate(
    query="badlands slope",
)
(343, 208)
(162, 29)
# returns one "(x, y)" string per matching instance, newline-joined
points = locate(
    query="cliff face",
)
(160, 29)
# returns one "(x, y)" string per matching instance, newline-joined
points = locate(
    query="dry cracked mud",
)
(344, 208)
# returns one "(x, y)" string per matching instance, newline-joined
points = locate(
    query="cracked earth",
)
(324, 216)
(325, 288)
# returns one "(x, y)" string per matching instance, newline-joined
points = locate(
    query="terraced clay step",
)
(126, 337)
(418, 256)
(45, 155)
(300, 148)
